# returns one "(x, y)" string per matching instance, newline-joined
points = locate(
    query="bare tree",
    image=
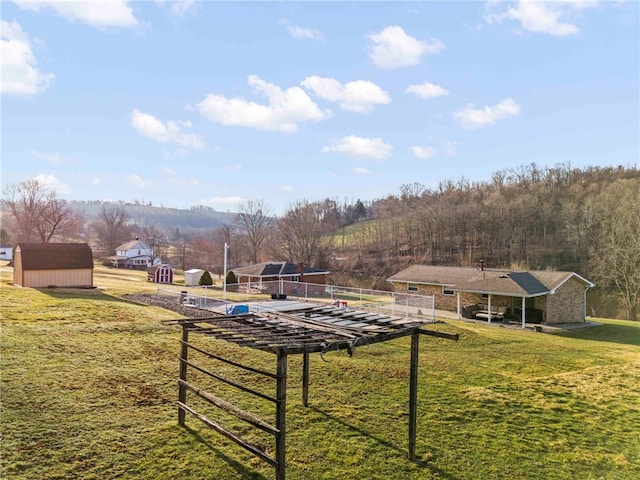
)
(38, 214)
(616, 259)
(305, 234)
(255, 224)
(111, 227)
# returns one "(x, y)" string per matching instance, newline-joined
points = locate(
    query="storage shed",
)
(53, 265)
(160, 274)
(192, 277)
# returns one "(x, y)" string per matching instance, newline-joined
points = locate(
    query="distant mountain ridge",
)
(195, 218)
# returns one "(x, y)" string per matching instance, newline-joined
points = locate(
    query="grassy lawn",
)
(89, 384)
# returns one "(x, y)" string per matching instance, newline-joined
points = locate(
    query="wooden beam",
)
(413, 394)
(281, 413)
(230, 435)
(182, 391)
(305, 379)
(433, 333)
(232, 409)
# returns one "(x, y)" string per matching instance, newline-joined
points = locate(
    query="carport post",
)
(305, 379)
(281, 413)
(413, 394)
(182, 389)
(523, 308)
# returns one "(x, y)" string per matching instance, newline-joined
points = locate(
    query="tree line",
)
(558, 218)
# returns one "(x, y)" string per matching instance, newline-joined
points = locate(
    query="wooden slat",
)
(230, 408)
(257, 451)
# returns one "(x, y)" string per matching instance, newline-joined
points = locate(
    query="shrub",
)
(205, 279)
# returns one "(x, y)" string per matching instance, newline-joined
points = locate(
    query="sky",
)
(216, 103)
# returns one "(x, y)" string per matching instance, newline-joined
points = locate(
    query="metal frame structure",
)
(303, 330)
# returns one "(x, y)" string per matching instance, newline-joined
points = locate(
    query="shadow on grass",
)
(613, 333)
(422, 461)
(243, 470)
(64, 293)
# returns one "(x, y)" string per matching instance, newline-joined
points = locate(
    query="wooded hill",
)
(587, 221)
(193, 219)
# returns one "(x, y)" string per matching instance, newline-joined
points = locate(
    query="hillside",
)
(195, 218)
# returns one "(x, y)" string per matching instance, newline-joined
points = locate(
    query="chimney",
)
(301, 271)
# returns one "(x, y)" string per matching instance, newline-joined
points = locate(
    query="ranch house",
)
(499, 295)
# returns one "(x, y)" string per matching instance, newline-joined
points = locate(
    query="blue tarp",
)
(237, 309)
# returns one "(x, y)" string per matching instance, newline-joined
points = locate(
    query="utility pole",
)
(224, 273)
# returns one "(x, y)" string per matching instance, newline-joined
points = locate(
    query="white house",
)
(6, 253)
(134, 254)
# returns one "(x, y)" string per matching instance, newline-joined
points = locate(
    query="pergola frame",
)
(311, 329)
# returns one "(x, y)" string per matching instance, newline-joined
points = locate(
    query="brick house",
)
(526, 296)
(40, 265)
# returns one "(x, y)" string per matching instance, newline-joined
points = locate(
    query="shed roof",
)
(275, 269)
(55, 256)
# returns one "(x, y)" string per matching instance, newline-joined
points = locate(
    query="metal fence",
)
(209, 297)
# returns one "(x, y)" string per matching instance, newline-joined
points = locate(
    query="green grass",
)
(88, 385)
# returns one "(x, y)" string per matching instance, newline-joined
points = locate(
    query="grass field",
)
(89, 384)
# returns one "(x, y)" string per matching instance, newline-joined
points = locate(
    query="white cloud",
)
(361, 171)
(363, 148)
(541, 17)
(286, 108)
(99, 14)
(149, 126)
(20, 73)
(137, 180)
(450, 148)
(286, 188)
(472, 118)
(393, 48)
(180, 8)
(54, 158)
(223, 202)
(234, 168)
(96, 181)
(357, 96)
(53, 183)
(167, 171)
(302, 33)
(424, 152)
(427, 90)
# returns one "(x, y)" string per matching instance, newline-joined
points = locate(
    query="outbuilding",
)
(160, 274)
(192, 277)
(53, 265)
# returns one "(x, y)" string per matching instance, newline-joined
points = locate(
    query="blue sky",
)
(214, 103)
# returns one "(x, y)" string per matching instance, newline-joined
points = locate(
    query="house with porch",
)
(134, 254)
(530, 296)
(282, 278)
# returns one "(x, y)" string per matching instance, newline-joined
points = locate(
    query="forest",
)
(557, 218)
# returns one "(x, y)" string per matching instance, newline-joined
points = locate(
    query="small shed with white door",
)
(192, 277)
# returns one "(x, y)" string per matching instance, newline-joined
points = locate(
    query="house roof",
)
(275, 269)
(55, 256)
(503, 282)
(155, 268)
(133, 244)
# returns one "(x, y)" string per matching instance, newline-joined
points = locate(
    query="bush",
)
(205, 279)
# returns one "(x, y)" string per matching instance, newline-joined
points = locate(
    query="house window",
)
(485, 296)
(412, 287)
(447, 292)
